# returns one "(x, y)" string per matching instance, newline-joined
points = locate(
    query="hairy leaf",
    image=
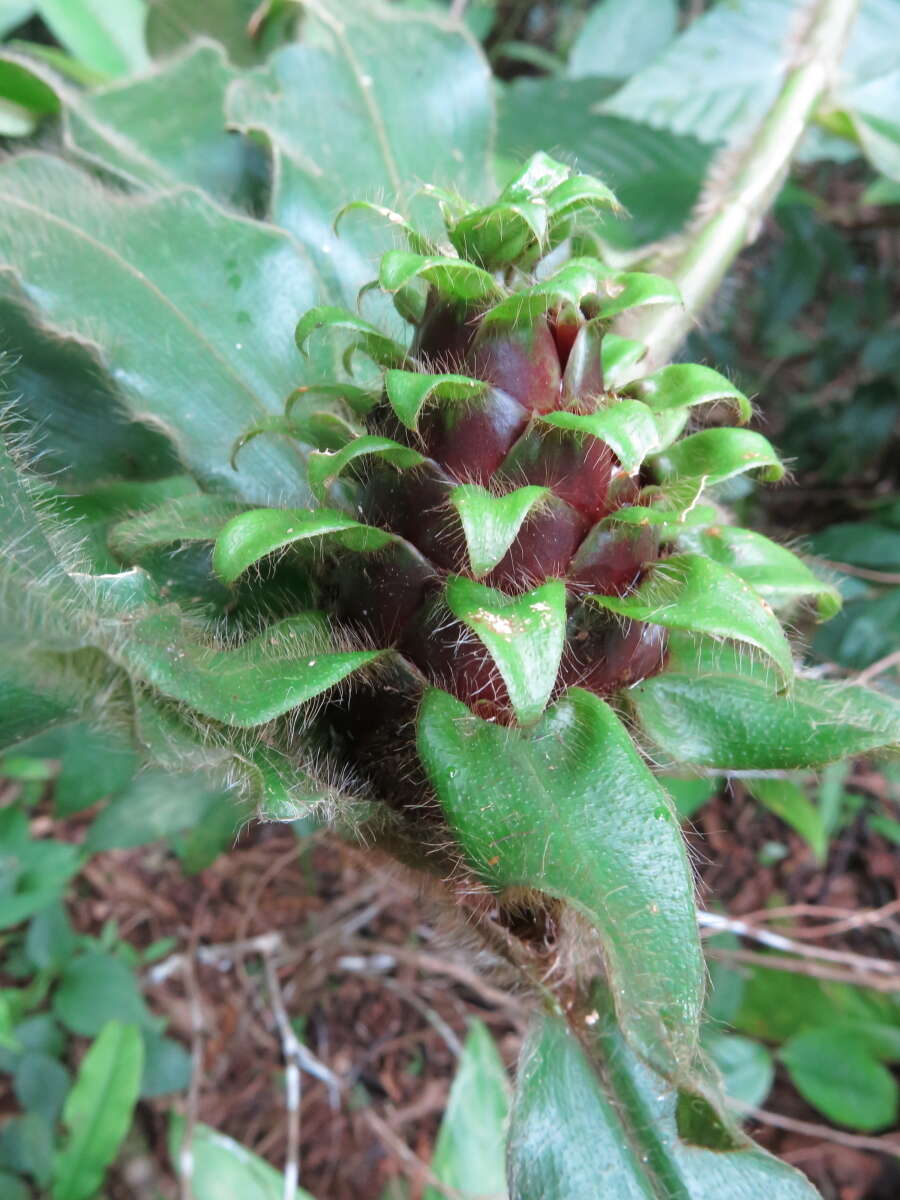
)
(688, 591)
(715, 455)
(491, 523)
(569, 808)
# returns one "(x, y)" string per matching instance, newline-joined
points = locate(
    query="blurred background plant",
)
(171, 969)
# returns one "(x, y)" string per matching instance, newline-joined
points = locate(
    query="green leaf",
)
(232, 359)
(167, 1066)
(50, 940)
(26, 1146)
(41, 1084)
(501, 233)
(256, 682)
(688, 591)
(620, 356)
(778, 575)
(380, 348)
(523, 634)
(156, 805)
(164, 129)
(95, 989)
(627, 427)
(836, 1073)
(173, 23)
(36, 870)
(719, 77)
(324, 430)
(790, 802)
(656, 175)
(406, 94)
(491, 523)
(861, 543)
(685, 385)
(576, 1125)
(746, 1066)
(223, 1168)
(24, 99)
(453, 279)
(109, 38)
(735, 722)
(254, 535)
(93, 763)
(715, 455)
(409, 391)
(470, 1152)
(182, 519)
(619, 37)
(569, 808)
(324, 466)
(98, 1111)
(13, 1187)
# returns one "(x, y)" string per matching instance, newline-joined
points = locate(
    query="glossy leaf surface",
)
(570, 809)
(690, 592)
(580, 1132)
(490, 523)
(715, 455)
(523, 634)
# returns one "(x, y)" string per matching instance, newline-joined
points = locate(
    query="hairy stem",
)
(742, 186)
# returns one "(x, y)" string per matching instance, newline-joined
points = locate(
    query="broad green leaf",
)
(470, 1152)
(184, 519)
(657, 175)
(98, 1111)
(223, 1169)
(26, 1146)
(107, 37)
(156, 805)
(172, 24)
(619, 37)
(746, 1066)
(735, 722)
(409, 391)
(778, 575)
(167, 1066)
(163, 129)
(789, 801)
(579, 1130)
(569, 808)
(836, 1073)
(454, 279)
(719, 77)
(24, 99)
(324, 467)
(50, 940)
(97, 988)
(627, 427)
(382, 349)
(715, 455)
(861, 543)
(685, 385)
(232, 360)
(688, 591)
(93, 763)
(406, 95)
(256, 534)
(523, 634)
(491, 523)
(41, 1084)
(14, 1187)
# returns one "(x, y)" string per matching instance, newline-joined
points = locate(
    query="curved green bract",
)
(409, 391)
(715, 455)
(500, 234)
(324, 468)
(524, 635)
(419, 243)
(739, 721)
(365, 336)
(774, 572)
(690, 592)
(627, 427)
(581, 1122)
(491, 523)
(619, 356)
(453, 279)
(326, 431)
(255, 535)
(569, 808)
(685, 385)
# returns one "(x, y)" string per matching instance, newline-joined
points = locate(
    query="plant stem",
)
(743, 186)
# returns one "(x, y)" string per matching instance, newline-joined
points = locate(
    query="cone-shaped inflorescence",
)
(511, 482)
